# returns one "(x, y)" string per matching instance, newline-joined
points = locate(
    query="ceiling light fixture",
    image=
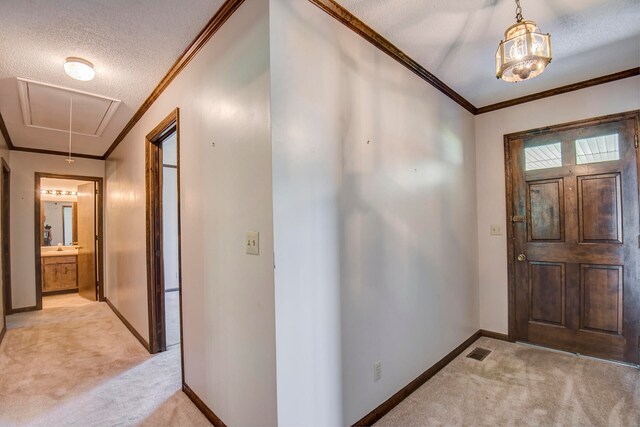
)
(79, 69)
(524, 53)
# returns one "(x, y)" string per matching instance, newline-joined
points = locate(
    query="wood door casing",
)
(579, 287)
(87, 241)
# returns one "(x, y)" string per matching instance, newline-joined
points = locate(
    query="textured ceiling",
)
(131, 43)
(457, 39)
(134, 43)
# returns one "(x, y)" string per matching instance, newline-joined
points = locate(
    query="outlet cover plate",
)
(252, 242)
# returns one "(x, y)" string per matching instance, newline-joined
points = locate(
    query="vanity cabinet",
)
(59, 273)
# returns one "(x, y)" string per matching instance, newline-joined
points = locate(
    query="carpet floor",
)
(75, 364)
(521, 385)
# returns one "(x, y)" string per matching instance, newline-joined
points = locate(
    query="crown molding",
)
(5, 133)
(345, 17)
(219, 18)
(342, 15)
(632, 72)
(55, 153)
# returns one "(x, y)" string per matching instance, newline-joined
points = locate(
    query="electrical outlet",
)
(377, 371)
(496, 230)
(252, 242)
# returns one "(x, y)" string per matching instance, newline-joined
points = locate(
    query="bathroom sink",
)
(64, 252)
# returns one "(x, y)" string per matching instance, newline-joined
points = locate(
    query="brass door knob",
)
(522, 257)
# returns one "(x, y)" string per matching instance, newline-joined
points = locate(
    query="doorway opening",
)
(163, 235)
(68, 237)
(574, 240)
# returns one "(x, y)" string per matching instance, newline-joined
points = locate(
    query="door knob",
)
(522, 257)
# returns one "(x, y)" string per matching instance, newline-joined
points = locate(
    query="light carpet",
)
(521, 385)
(75, 364)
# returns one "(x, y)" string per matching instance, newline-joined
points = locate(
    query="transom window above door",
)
(543, 156)
(597, 149)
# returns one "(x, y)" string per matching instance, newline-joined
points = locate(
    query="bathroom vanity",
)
(59, 270)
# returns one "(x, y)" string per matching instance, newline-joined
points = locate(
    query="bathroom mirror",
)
(58, 223)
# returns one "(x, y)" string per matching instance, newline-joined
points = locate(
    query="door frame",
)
(508, 164)
(155, 269)
(100, 229)
(5, 250)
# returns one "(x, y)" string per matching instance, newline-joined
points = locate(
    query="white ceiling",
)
(456, 40)
(134, 43)
(131, 43)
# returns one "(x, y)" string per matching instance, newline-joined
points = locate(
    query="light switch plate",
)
(252, 243)
(496, 230)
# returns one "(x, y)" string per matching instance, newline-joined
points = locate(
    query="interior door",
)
(87, 241)
(576, 239)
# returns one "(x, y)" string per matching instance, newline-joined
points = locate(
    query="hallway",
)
(75, 364)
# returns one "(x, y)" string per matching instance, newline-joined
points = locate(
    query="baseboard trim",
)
(375, 415)
(126, 323)
(23, 309)
(495, 335)
(211, 416)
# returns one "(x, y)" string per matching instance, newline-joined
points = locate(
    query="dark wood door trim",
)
(509, 139)
(100, 230)
(155, 269)
(5, 248)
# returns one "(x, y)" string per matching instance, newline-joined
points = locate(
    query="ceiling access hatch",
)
(46, 106)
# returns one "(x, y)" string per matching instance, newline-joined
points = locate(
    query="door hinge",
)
(636, 139)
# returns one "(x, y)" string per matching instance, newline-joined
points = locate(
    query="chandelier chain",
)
(519, 17)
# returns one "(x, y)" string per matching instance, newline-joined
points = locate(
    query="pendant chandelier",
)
(524, 53)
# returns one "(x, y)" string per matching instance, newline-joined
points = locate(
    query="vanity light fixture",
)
(59, 192)
(79, 69)
(524, 53)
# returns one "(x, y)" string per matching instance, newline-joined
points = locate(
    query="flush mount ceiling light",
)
(524, 53)
(79, 69)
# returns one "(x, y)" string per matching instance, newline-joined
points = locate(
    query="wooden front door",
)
(87, 241)
(576, 239)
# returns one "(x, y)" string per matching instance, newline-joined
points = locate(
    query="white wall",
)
(615, 97)
(228, 296)
(170, 246)
(23, 168)
(170, 224)
(374, 220)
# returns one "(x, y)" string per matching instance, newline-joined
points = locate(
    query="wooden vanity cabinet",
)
(59, 273)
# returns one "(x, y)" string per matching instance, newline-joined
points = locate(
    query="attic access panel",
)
(46, 106)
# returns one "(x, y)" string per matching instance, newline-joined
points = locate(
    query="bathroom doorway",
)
(68, 237)
(163, 235)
